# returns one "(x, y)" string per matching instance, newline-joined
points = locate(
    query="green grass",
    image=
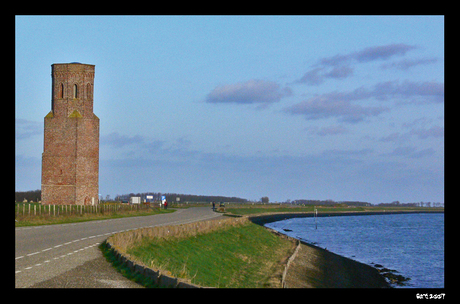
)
(247, 256)
(64, 216)
(257, 210)
(252, 210)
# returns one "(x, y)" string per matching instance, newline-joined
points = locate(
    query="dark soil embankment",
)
(315, 267)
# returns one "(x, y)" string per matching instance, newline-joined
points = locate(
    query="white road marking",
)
(99, 235)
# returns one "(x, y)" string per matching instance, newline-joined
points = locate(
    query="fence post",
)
(35, 212)
(54, 210)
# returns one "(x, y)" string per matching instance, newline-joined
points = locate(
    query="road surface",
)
(67, 255)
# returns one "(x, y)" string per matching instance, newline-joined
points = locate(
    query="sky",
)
(289, 107)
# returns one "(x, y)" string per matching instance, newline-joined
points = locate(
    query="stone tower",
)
(70, 159)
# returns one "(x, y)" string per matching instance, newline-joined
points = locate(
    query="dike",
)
(308, 267)
(120, 242)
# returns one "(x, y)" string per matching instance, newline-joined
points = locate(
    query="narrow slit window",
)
(61, 91)
(75, 91)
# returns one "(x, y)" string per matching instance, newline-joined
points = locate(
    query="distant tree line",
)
(417, 204)
(171, 197)
(35, 196)
(329, 202)
(30, 196)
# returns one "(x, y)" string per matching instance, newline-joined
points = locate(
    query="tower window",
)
(75, 91)
(61, 91)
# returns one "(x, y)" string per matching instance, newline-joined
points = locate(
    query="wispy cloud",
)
(326, 106)
(317, 76)
(407, 63)
(116, 140)
(27, 128)
(339, 66)
(411, 152)
(340, 104)
(435, 132)
(252, 91)
(423, 133)
(383, 52)
(331, 130)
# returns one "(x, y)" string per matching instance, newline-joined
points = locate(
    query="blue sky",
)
(289, 107)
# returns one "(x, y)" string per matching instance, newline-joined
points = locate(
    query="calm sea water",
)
(412, 244)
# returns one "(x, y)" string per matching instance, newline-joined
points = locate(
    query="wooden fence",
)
(37, 209)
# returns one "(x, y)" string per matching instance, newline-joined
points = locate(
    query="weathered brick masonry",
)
(70, 160)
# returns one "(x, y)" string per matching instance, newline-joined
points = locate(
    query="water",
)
(412, 244)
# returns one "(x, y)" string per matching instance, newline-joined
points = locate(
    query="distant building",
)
(70, 159)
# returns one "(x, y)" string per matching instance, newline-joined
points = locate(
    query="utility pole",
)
(316, 215)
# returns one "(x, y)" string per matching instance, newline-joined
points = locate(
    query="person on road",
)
(166, 204)
(213, 206)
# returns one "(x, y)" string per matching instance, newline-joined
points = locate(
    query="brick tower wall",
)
(70, 160)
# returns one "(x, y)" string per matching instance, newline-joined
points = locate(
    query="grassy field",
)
(258, 209)
(247, 256)
(252, 210)
(49, 215)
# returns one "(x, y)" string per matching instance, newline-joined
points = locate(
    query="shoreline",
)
(316, 267)
(269, 217)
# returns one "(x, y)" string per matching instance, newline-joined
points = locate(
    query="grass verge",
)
(44, 219)
(247, 256)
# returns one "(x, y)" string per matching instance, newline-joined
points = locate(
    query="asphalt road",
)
(67, 255)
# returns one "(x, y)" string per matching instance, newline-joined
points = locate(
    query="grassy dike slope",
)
(243, 256)
(224, 252)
